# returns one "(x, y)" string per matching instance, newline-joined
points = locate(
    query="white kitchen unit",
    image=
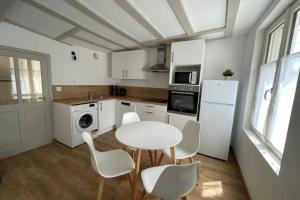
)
(187, 56)
(106, 115)
(129, 64)
(216, 117)
(190, 52)
(179, 120)
(121, 107)
(151, 112)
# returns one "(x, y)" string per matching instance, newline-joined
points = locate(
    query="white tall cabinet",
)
(106, 115)
(187, 54)
(129, 64)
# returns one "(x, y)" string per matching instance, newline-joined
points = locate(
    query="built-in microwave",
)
(185, 77)
(183, 100)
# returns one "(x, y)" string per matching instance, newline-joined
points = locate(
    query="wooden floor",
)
(57, 172)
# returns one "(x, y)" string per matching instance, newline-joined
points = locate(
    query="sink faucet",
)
(91, 95)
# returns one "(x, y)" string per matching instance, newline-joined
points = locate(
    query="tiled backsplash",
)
(75, 91)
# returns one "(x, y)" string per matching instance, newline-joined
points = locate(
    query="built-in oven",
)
(183, 99)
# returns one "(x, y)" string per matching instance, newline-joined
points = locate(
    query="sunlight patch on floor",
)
(212, 189)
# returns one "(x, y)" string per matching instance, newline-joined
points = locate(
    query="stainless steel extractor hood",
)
(161, 60)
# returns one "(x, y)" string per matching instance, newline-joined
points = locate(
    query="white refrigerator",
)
(217, 106)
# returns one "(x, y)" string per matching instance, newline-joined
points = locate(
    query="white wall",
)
(86, 71)
(222, 54)
(262, 182)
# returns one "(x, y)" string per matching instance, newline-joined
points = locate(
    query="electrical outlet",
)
(58, 89)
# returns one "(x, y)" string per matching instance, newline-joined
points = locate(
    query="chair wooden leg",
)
(173, 155)
(155, 157)
(160, 158)
(151, 157)
(191, 160)
(130, 178)
(100, 188)
(136, 173)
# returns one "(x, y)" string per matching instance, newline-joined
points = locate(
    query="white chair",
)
(108, 164)
(130, 117)
(170, 181)
(189, 145)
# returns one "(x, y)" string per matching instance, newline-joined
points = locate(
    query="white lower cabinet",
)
(121, 108)
(151, 112)
(106, 115)
(179, 120)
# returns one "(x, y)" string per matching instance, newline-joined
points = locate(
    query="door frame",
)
(47, 68)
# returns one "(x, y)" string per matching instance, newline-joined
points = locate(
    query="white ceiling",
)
(205, 14)
(110, 25)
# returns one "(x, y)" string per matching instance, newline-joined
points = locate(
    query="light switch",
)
(58, 89)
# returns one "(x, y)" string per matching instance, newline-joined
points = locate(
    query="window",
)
(21, 77)
(276, 83)
(274, 44)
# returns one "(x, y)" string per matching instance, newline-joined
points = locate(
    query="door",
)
(216, 126)
(135, 62)
(24, 102)
(219, 91)
(106, 115)
(187, 52)
(148, 115)
(118, 65)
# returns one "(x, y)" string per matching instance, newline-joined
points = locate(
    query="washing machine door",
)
(85, 122)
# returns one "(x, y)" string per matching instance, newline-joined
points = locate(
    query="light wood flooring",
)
(57, 172)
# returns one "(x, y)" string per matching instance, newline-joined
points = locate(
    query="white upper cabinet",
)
(129, 64)
(188, 52)
(118, 64)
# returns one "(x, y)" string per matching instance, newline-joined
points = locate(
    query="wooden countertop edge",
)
(77, 101)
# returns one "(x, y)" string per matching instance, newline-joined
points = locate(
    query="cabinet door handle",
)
(149, 112)
(101, 106)
(126, 73)
(168, 119)
(149, 106)
(172, 57)
(123, 73)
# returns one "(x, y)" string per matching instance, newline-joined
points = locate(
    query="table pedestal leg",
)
(136, 173)
(173, 155)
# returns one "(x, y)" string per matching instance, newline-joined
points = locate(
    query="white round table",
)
(148, 135)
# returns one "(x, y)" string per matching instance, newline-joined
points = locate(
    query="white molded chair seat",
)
(171, 181)
(189, 145)
(114, 163)
(130, 117)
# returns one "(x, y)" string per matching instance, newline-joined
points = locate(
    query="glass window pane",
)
(262, 96)
(30, 79)
(284, 99)
(8, 89)
(295, 45)
(274, 44)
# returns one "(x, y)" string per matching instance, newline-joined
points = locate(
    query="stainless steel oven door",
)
(183, 102)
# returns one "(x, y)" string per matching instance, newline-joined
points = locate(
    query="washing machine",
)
(72, 120)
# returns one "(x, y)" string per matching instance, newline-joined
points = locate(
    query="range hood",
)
(161, 60)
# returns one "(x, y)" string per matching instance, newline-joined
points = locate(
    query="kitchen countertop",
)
(83, 100)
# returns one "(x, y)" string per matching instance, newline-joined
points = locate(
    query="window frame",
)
(288, 18)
